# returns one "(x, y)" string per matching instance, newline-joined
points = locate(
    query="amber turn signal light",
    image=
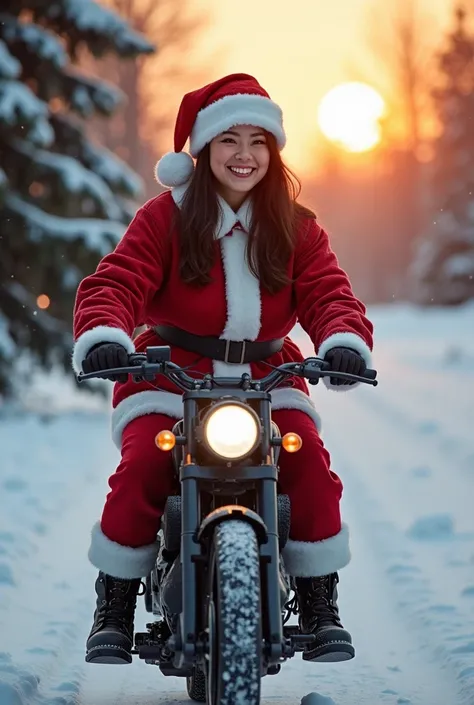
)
(165, 440)
(291, 442)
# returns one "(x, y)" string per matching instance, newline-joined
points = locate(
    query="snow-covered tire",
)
(235, 625)
(196, 686)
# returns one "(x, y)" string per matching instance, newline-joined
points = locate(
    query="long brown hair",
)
(275, 214)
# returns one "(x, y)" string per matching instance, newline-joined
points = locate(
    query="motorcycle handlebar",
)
(156, 361)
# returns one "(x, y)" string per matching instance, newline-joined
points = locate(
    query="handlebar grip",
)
(370, 374)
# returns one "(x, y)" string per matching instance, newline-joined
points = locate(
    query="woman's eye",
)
(259, 142)
(228, 139)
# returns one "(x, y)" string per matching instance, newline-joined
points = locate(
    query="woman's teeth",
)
(241, 171)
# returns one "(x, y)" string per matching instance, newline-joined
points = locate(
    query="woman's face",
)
(239, 159)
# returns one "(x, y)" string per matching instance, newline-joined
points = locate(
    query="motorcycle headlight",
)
(232, 430)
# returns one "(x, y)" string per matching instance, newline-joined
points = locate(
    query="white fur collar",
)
(228, 217)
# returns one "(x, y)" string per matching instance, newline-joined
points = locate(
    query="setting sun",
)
(349, 115)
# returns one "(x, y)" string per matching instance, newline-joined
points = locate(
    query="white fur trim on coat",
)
(345, 340)
(121, 561)
(94, 336)
(288, 398)
(240, 109)
(242, 298)
(310, 559)
(155, 402)
(227, 217)
(241, 286)
(141, 404)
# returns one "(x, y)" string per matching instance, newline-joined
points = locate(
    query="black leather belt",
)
(238, 352)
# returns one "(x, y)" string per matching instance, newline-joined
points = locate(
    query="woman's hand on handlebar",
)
(343, 359)
(105, 356)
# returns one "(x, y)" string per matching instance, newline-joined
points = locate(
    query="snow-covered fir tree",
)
(443, 267)
(64, 201)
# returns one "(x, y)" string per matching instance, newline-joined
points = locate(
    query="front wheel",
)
(234, 622)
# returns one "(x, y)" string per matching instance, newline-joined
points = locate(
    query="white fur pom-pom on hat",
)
(174, 169)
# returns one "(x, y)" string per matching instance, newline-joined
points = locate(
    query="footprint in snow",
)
(14, 484)
(401, 569)
(68, 687)
(63, 585)
(6, 575)
(317, 699)
(466, 673)
(467, 648)
(428, 427)
(401, 574)
(15, 682)
(421, 471)
(40, 651)
(456, 562)
(436, 527)
(441, 609)
(6, 537)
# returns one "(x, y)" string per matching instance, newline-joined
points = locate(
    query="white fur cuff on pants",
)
(121, 561)
(306, 559)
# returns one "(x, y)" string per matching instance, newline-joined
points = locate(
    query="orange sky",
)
(298, 52)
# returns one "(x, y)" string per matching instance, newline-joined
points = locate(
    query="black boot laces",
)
(319, 609)
(118, 609)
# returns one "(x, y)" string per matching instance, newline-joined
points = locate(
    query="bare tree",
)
(402, 38)
(153, 85)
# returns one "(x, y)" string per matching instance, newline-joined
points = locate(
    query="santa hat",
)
(237, 99)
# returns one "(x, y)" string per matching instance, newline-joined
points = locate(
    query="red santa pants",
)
(144, 479)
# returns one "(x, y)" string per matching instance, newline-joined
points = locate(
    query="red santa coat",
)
(139, 283)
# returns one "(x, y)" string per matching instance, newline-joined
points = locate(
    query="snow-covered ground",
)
(405, 451)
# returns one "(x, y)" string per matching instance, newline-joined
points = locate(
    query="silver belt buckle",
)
(227, 350)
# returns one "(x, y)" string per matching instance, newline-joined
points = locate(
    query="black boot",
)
(319, 615)
(111, 636)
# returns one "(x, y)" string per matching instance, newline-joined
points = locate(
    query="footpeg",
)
(294, 634)
(296, 641)
(303, 638)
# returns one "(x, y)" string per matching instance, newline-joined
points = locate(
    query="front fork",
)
(186, 644)
(270, 575)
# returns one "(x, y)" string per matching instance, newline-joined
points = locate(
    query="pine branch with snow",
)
(64, 201)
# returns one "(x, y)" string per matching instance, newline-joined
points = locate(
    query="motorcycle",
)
(219, 587)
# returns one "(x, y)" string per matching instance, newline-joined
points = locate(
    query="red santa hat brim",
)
(232, 110)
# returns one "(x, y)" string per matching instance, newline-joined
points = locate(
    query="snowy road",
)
(405, 451)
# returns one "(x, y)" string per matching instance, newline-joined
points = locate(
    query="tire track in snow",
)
(421, 552)
(435, 428)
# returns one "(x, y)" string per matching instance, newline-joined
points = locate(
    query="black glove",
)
(105, 355)
(345, 360)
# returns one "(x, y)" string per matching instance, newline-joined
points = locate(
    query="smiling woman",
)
(350, 116)
(239, 159)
